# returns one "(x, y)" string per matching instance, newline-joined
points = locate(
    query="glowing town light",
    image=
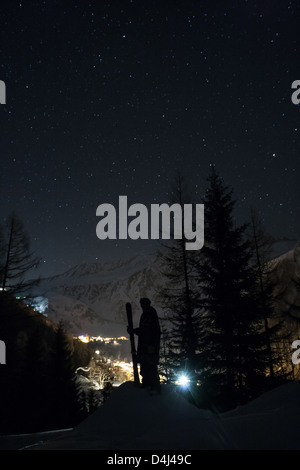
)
(84, 338)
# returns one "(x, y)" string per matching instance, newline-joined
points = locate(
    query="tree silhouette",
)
(232, 350)
(178, 298)
(17, 261)
(65, 393)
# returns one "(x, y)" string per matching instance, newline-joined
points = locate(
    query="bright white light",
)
(183, 381)
(84, 338)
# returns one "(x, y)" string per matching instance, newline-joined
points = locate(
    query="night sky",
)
(108, 98)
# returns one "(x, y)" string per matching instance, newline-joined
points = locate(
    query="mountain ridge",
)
(90, 298)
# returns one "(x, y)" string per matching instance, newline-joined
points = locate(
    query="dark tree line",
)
(38, 390)
(219, 304)
(38, 387)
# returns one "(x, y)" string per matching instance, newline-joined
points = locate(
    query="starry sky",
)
(113, 97)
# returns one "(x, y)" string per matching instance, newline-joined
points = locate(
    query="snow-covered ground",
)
(131, 419)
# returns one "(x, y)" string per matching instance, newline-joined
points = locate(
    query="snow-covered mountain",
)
(285, 274)
(90, 298)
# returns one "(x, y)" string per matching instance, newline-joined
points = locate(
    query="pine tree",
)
(65, 393)
(36, 385)
(231, 357)
(17, 261)
(275, 332)
(262, 245)
(178, 299)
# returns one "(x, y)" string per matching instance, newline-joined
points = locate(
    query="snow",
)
(90, 299)
(103, 272)
(285, 274)
(131, 419)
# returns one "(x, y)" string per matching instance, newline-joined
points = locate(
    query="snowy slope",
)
(90, 299)
(285, 273)
(133, 420)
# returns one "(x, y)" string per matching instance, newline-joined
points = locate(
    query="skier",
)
(148, 345)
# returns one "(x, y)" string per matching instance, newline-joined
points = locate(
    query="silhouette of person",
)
(148, 334)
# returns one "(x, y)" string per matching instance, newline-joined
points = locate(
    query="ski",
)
(132, 343)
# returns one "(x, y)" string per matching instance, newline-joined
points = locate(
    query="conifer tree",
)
(275, 336)
(36, 384)
(178, 299)
(231, 357)
(65, 392)
(17, 260)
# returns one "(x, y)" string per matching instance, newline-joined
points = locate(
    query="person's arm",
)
(133, 330)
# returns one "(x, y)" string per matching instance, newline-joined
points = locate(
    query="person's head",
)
(145, 303)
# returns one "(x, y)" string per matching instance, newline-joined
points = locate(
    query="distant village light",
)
(115, 341)
(84, 339)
